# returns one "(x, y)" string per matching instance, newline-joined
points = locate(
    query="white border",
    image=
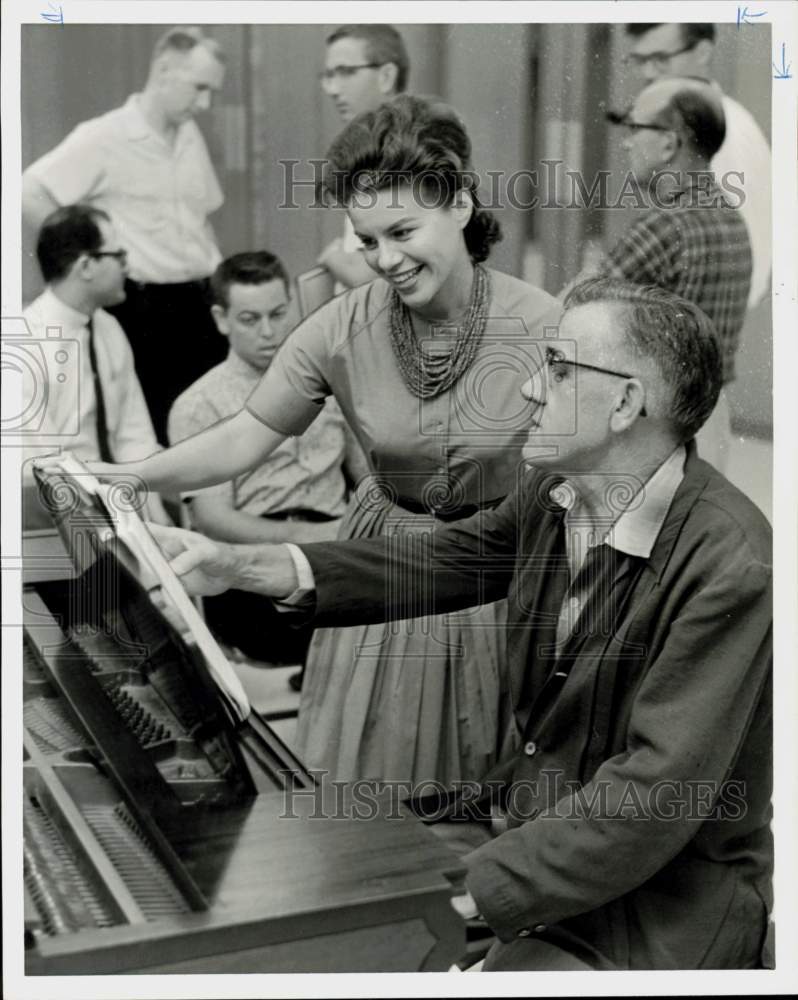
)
(783, 15)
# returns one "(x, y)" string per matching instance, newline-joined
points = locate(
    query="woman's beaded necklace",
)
(425, 374)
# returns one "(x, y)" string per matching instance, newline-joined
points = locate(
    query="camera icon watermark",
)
(495, 402)
(34, 369)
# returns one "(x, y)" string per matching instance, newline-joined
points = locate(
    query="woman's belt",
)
(299, 514)
(446, 513)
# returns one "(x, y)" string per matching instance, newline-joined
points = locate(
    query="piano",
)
(165, 833)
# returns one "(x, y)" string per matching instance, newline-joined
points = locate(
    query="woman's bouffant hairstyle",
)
(412, 141)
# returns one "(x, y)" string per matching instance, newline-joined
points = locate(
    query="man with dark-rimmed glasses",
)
(639, 612)
(364, 65)
(689, 239)
(93, 402)
(658, 51)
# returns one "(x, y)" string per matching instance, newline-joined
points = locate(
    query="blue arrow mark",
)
(782, 72)
(743, 13)
(55, 18)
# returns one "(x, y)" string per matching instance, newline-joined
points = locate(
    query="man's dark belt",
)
(446, 513)
(201, 284)
(299, 514)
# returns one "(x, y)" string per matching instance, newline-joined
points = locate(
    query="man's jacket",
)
(639, 804)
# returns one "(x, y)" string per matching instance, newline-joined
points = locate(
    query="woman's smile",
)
(417, 247)
(405, 278)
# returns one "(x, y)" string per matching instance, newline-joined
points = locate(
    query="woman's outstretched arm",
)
(217, 455)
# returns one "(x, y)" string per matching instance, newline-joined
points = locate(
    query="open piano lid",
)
(93, 506)
(116, 556)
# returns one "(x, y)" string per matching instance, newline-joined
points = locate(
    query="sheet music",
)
(132, 533)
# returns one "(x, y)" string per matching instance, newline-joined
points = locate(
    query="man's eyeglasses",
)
(555, 357)
(344, 72)
(121, 255)
(659, 60)
(622, 118)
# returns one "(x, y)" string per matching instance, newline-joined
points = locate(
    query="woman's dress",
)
(420, 700)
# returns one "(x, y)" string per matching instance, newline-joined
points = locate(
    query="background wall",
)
(527, 93)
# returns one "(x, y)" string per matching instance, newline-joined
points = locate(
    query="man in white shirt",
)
(365, 65)
(94, 407)
(665, 50)
(146, 164)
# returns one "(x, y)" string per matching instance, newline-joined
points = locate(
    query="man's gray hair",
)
(673, 333)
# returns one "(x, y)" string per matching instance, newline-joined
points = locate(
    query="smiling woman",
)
(427, 362)
(427, 365)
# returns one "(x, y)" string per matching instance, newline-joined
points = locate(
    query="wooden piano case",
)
(163, 834)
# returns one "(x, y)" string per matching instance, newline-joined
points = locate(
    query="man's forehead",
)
(652, 99)
(598, 324)
(107, 231)
(346, 52)
(202, 67)
(267, 295)
(662, 38)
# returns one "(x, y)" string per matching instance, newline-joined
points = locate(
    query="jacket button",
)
(539, 928)
(531, 748)
(524, 932)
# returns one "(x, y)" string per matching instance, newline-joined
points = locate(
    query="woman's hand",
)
(107, 472)
(204, 567)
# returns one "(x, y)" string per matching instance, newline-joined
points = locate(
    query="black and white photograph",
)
(400, 550)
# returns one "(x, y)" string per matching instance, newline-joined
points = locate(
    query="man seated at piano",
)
(639, 646)
(299, 492)
(92, 403)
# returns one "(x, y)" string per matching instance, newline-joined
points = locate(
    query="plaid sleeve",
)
(645, 251)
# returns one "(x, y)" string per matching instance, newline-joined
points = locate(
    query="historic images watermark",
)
(552, 186)
(549, 796)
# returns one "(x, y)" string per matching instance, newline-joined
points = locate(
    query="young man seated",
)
(299, 492)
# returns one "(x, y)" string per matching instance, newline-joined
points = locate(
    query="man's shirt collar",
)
(136, 125)
(636, 529)
(57, 313)
(238, 366)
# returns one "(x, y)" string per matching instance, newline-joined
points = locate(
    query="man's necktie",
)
(102, 422)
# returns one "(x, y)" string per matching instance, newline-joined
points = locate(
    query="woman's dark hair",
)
(411, 141)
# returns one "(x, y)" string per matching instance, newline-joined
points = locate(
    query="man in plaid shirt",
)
(690, 239)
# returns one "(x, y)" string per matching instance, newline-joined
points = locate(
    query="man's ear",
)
(386, 78)
(630, 407)
(220, 319)
(84, 267)
(161, 70)
(702, 55)
(672, 143)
